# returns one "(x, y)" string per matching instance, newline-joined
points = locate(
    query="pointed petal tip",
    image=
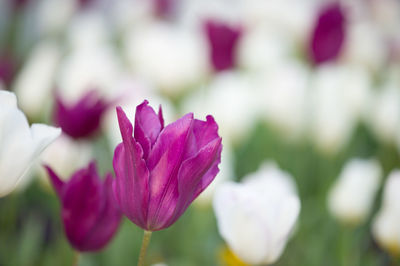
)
(55, 180)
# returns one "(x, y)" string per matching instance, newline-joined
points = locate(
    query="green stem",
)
(75, 260)
(143, 249)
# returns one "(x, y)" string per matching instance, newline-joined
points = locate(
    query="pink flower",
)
(223, 41)
(82, 119)
(88, 210)
(328, 35)
(161, 170)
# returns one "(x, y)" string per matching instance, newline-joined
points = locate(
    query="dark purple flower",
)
(223, 40)
(164, 8)
(88, 210)
(82, 119)
(328, 35)
(7, 69)
(161, 170)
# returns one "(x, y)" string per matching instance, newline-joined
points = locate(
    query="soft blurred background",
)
(311, 85)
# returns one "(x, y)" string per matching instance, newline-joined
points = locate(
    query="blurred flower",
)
(65, 155)
(35, 81)
(365, 45)
(54, 15)
(228, 258)
(256, 217)
(385, 227)
(263, 47)
(21, 144)
(88, 210)
(164, 8)
(240, 108)
(328, 35)
(160, 171)
(223, 40)
(82, 119)
(284, 94)
(340, 98)
(173, 59)
(352, 195)
(8, 68)
(385, 111)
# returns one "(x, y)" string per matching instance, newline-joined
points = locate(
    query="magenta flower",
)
(328, 35)
(164, 8)
(7, 69)
(88, 210)
(223, 40)
(82, 119)
(161, 170)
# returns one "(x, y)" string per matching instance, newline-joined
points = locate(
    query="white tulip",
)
(285, 94)
(256, 217)
(239, 110)
(385, 226)
(35, 82)
(172, 58)
(385, 111)
(340, 98)
(351, 197)
(20, 144)
(66, 155)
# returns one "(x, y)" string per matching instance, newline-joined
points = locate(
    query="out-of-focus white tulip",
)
(34, 83)
(256, 217)
(340, 95)
(226, 173)
(230, 99)
(385, 226)
(20, 144)
(284, 100)
(53, 15)
(172, 58)
(365, 45)
(66, 155)
(87, 69)
(264, 47)
(385, 112)
(351, 197)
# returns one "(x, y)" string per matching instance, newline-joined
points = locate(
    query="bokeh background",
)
(271, 97)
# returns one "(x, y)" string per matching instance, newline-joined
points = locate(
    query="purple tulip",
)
(328, 35)
(88, 210)
(82, 119)
(7, 69)
(223, 40)
(161, 170)
(164, 8)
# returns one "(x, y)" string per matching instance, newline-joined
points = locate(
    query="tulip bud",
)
(88, 209)
(161, 170)
(20, 143)
(351, 197)
(256, 217)
(385, 227)
(328, 35)
(223, 40)
(82, 119)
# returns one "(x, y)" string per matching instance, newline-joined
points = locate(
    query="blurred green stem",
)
(143, 249)
(75, 260)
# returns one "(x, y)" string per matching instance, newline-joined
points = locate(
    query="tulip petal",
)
(107, 223)
(147, 127)
(132, 175)
(56, 181)
(80, 202)
(203, 133)
(163, 164)
(195, 175)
